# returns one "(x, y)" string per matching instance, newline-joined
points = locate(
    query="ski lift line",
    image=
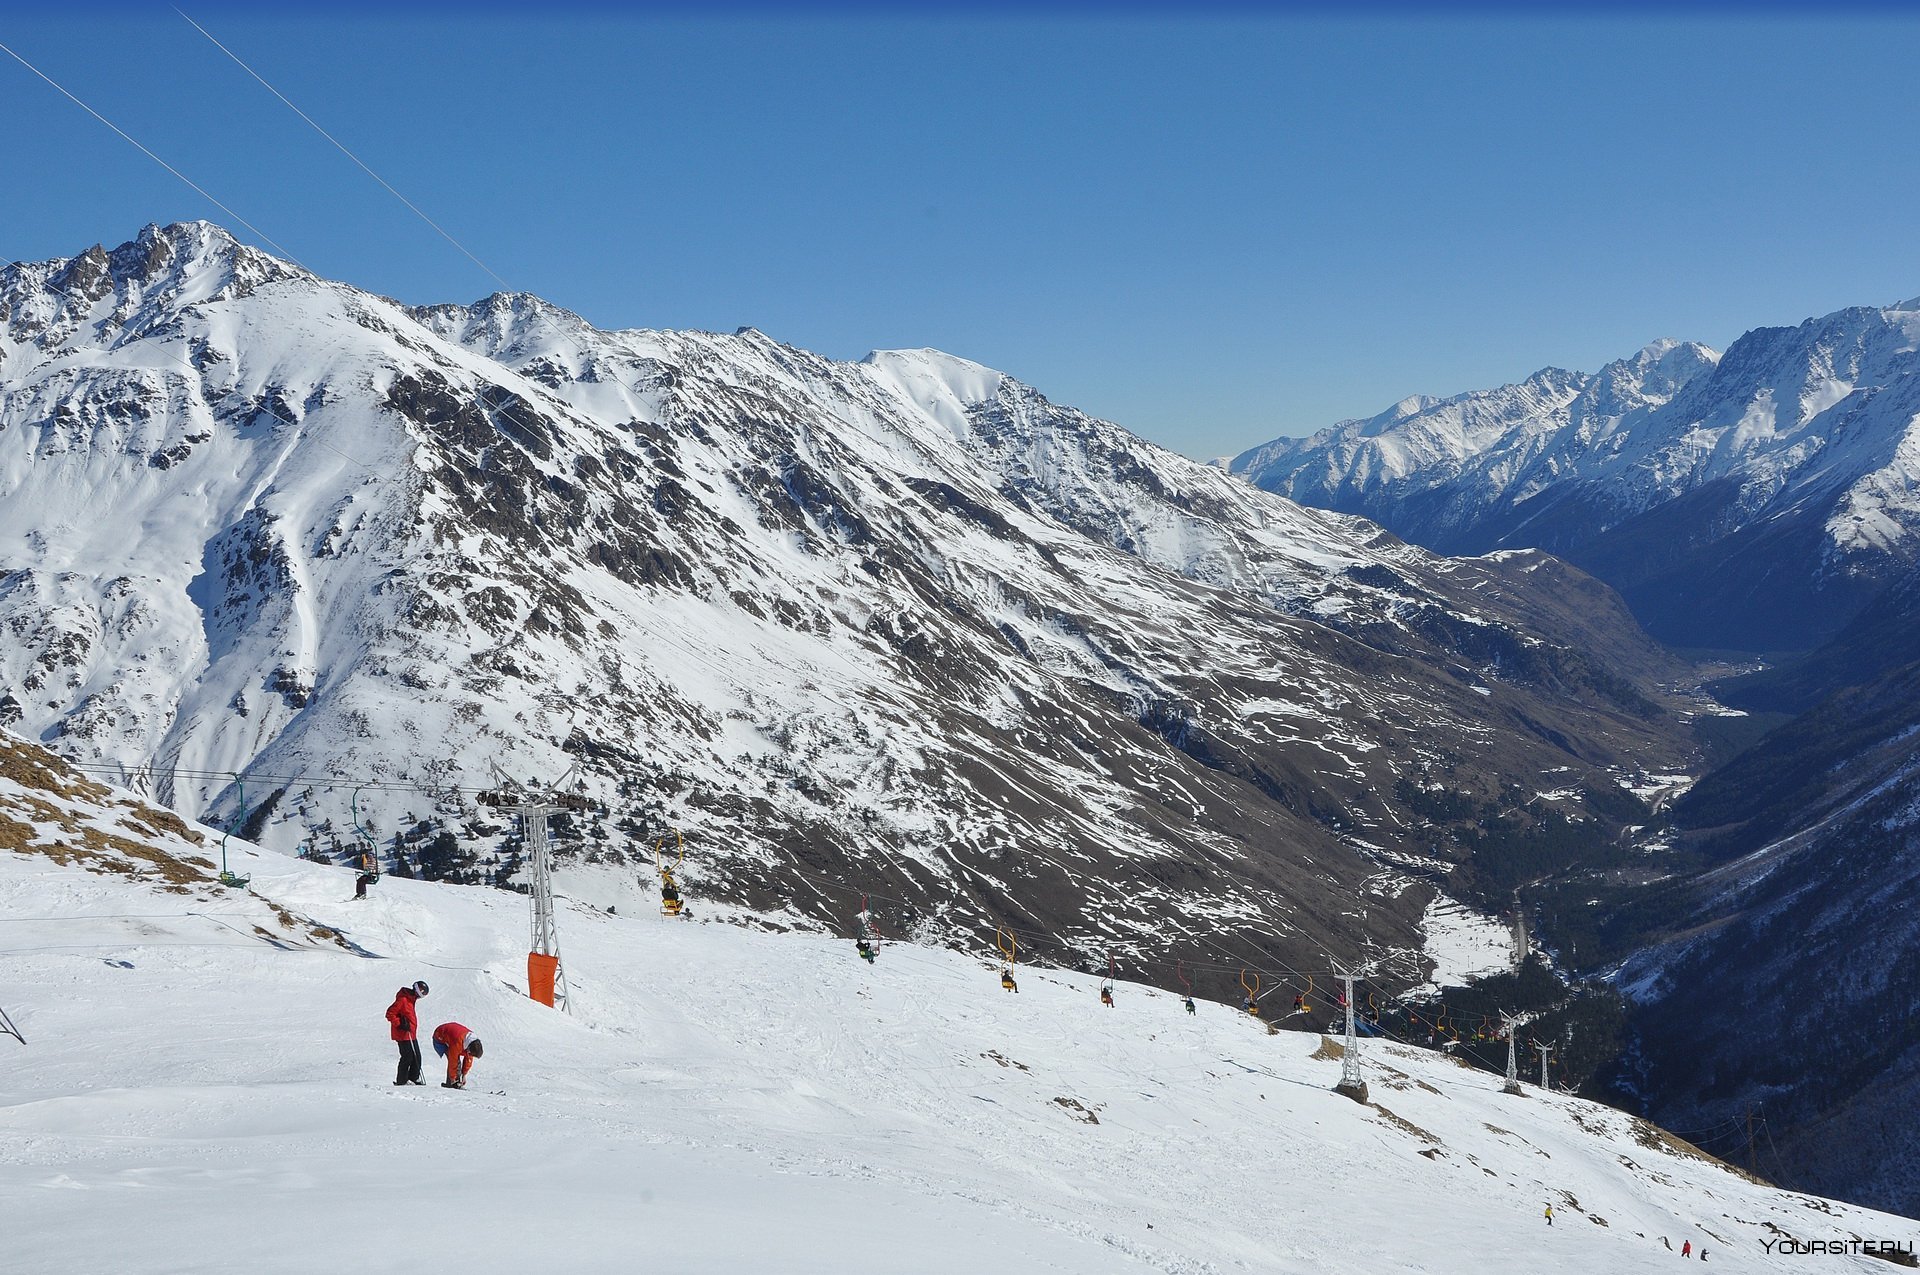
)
(311, 781)
(1728, 1123)
(386, 185)
(1053, 938)
(1779, 1167)
(195, 186)
(342, 148)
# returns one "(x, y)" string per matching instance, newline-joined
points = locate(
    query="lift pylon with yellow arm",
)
(670, 901)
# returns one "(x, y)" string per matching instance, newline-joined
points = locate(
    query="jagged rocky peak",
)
(161, 267)
(171, 257)
(502, 323)
(1659, 371)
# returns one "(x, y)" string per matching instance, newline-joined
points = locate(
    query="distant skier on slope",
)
(1549, 1215)
(459, 1047)
(1686, 1249)
(403, 1020)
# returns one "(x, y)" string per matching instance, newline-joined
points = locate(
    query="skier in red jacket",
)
(459, 1047)
(404, 1023)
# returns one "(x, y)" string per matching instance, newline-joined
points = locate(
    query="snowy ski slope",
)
(205, 1087)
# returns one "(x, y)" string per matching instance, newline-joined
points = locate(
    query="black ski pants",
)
(409, 1062)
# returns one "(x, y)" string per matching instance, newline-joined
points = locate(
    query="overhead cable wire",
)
(342, 148)
(197, 188)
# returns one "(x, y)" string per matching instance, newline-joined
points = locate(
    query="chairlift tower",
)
(533, 804)
(1508, 1022)
(1544, 1049)
(1352, 1083)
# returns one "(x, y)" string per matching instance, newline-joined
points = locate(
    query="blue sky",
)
(1213, 230)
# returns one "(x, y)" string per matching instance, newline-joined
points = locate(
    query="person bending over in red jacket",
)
(459, 1047)
(403, 1020)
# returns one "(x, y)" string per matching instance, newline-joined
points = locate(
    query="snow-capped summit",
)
(161, 270)
(1751, 500)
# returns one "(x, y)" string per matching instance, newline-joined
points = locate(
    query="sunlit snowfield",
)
(196, 1094)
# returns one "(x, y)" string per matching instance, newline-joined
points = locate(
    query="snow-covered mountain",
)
(900, 624)
(205, 1085)
(1753, 500)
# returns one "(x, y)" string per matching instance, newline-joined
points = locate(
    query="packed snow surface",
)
(206, 1086)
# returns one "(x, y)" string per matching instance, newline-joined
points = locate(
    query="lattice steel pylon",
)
(1352, 1083)
(534, 803)
(1508, 1022)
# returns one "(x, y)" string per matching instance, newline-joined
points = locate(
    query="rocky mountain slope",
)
(1785, 970)
(1754, 501)
(898, 625)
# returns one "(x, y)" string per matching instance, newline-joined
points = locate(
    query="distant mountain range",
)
(1755, 501)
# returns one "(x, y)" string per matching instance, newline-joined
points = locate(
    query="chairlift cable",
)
(342, 148)
(196, 187)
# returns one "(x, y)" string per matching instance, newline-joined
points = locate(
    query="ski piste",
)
(772, 1091)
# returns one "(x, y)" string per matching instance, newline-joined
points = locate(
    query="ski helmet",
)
(420, 988)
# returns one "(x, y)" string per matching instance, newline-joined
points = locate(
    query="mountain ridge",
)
(806, 611)
(1754, 500)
